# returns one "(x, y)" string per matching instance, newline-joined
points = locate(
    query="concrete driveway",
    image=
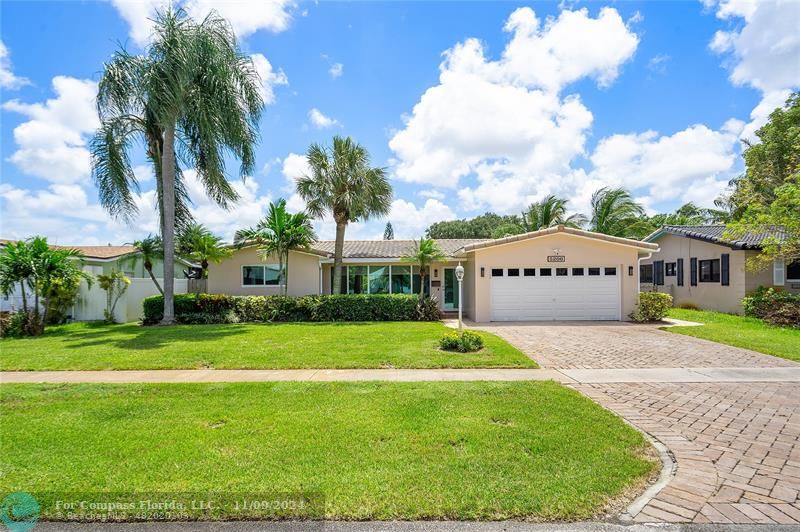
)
(734, 448)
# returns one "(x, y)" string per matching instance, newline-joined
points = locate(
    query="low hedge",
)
(773, 306)
(653, 306)
(220, 308)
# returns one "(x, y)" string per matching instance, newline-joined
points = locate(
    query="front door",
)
(450, 289)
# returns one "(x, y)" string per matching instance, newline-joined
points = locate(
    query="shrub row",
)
(653, 306)
(773, 306)
(219, 308)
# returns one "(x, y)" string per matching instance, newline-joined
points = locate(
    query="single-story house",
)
(699, 266)
(91, 302)
(558, 273)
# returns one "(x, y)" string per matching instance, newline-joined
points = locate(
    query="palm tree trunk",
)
(338, 251)
(286, 275)
(24, 297)
(281, 282)
(203, 269)
(155, 281)
(168, 229)
(422, 282)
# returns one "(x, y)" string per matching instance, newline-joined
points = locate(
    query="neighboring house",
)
(698, 266)
(553, 274)
(91, 302)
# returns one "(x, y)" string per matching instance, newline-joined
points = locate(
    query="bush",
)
(220, 308)
(467, 342)
(773, 306)
(16, 324)
(653, 306)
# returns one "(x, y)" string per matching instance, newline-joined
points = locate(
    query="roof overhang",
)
(661, 231)
(560, 229)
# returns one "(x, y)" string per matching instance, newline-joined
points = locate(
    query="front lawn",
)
(436, 450)
(95, 346)
(739, 331)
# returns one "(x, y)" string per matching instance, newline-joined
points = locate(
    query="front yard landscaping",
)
(95, 346)
(454, 450)
(740, 331)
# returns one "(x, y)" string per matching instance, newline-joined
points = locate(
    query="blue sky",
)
(471, 106)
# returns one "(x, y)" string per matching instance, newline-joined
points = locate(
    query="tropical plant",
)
(115, 284)
(277, 234)
(197, 243)
(424, 253)
(388, 231)
(507, 229)
(149, 249)
(62, 297)
(16, 269)
(192, 87)
(549, 212)
(343, 184)
(615, 213)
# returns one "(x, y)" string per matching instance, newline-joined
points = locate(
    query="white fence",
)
(92, 301)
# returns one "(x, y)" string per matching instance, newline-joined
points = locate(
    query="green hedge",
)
(773, 306)
(219, 308)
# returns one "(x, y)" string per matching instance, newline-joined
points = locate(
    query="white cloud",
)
(410, 221)
(245, 16)
(504, 121)
(9, 80)
(269, 77)
(336, 70)
(320, 121)
(658, 63)
(431, 193)
(52, 144)
(763, 52)
(295, 166)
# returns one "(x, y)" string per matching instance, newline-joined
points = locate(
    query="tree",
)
(278, 233)
(615, 213)
(198, 244)
(507, 229)
(16, 268)
(424, 253)
(549, 212)
(388, 232)
(483, 226)
(194, 87)
(115, 284)
(149, 249)
(343, 184)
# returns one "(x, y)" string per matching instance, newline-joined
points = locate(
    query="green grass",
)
(739, 331)
(435, 450)
(94, 346)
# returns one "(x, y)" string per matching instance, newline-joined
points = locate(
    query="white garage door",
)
(543, 293)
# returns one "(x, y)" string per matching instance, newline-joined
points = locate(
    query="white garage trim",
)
(556, 297)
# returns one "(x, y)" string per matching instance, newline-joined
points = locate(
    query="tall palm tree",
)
(16, 268)
(277, 234)
(192, 88)
(149, 249)
(424, 253)
(199, 244)
(343, 184)
(616, 213)
(549, 212)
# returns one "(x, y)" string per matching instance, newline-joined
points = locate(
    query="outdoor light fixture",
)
(436, 273)
(483, 271)
(630, 271)
(459, 278)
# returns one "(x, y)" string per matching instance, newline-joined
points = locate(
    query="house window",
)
(561, 272)
(529, 272)
(497, 272)
(610, 271)
(577, 271)
(401, 279)
(357, 280)
(793, 270)
(379, 279)
(513, 272)
(709, 271)
(669, 269)
(262, 275)
(545, 272)
(646, 273)
(594, 271)
(416, 280)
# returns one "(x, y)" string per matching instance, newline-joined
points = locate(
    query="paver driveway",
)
(736, 445)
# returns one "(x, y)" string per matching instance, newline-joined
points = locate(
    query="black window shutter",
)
(725, 269)
(680, 272)
(693, 271)
(659, 272)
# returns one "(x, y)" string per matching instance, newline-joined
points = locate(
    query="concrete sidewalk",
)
(567, 376)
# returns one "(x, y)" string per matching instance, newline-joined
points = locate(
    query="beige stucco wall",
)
(765, 277)
(579, 251)
(226, 277)
(711, 296)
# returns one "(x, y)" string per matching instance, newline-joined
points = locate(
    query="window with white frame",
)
(793, 270)
(381, 279)
(261, 275)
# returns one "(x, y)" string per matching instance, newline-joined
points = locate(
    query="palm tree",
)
(16, 268)
(149, 249)
(424, 253)
(616, 213)
(344, 185)
(194, 87)
(549, 212)
(277, 234)
(199, 244)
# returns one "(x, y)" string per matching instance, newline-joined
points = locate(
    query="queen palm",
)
(192, 89)
(199, 244)
(277, 234)
(16, 268)
(616, 213)
(149, 249)
(343, 184)
(424, 253)
(549, 212)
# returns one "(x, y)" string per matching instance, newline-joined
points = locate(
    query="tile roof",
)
(562, 229)
(715, 233)
(91, 252)
(391, 249)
